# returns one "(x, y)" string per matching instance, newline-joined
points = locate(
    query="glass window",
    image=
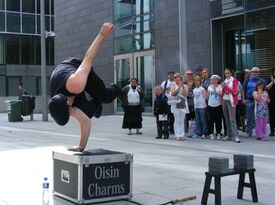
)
(37, 50)
(260, 32)
(38, 85)
(2, 59)
(122, 8)
(123, 27)
(47, 23)
(12, 49)
(47, 6)
(52, 7)
(256, 4)
(143, 6)
(2, 4)
(38, 24)
(50, 51)
(27, 50)
(28, 6)
(13, 22)
(2, 21)
(13, 5)
(223, 7)
(2, 86)
(28, 23)
(52, 23)
(123, 45)
(143, 41)
(143, 23)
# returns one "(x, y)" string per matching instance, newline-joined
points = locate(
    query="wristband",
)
(102, 34)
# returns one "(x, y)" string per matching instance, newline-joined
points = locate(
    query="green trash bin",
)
(14, 110)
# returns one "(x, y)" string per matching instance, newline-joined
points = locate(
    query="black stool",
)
(217, 188)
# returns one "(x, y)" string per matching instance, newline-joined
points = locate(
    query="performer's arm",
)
(85, 127)
(77, 81)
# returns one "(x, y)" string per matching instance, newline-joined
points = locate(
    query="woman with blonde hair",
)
(179, 105)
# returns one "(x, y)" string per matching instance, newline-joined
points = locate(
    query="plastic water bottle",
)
(45, 194)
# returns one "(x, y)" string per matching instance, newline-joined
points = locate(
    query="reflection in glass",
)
(143, 23)
(29, 83)
(144, 67)
(122, 67)
(50, 51)
(223, 7)
(13, 5)
(122, 8)
(13, 22)
(143, 6)
(28, 6)
(28, 23)
(123, 27)
(47, 23)
(143, 41)
(2, 21)
(123, 45)
(47, 6)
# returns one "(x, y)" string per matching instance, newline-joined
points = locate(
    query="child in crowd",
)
(261, 110)
(215, 107)
(161, 112)
(200, 108)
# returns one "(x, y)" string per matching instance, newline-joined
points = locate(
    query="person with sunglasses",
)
(249, 87)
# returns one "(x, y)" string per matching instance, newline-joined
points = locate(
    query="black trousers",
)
(215, 117)
(162, 127)
(271, 108)
(97, 89)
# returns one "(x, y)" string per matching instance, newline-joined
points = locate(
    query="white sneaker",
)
(237, 140)
(202, 137)
(218, 136)
(212, 137)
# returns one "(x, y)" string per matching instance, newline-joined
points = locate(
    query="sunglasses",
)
(255, 71)
(189, 73)
(176, 76)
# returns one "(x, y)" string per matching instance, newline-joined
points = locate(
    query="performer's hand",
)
(106, 29)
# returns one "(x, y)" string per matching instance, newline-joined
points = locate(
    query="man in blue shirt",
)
(249, 87)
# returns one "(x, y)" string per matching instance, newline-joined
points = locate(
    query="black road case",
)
(94, 176)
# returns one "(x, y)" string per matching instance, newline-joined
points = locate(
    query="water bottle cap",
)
(45, 178)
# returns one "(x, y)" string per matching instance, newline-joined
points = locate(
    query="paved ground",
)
(163, 169)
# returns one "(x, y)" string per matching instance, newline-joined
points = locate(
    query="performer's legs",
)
(96, 88)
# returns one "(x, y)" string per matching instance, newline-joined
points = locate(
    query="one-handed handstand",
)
(78, 92)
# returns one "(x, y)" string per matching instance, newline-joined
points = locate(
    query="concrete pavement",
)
(163, 169)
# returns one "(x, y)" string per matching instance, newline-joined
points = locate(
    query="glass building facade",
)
(244, 30)
(134, 44)
(20, 43)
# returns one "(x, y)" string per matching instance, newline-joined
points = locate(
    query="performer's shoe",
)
(98, 110)
(117, 91)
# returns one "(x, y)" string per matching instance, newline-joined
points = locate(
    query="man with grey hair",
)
(249, 86)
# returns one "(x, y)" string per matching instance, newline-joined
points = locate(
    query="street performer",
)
(77, 91)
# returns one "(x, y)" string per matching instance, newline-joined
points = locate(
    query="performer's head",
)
(59, 109)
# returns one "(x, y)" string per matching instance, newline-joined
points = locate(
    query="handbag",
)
(181, 104)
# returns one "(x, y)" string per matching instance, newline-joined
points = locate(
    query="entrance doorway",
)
(136, 65)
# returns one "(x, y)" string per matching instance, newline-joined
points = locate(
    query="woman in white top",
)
(214, 108)
(132, 102)
(179, 105)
